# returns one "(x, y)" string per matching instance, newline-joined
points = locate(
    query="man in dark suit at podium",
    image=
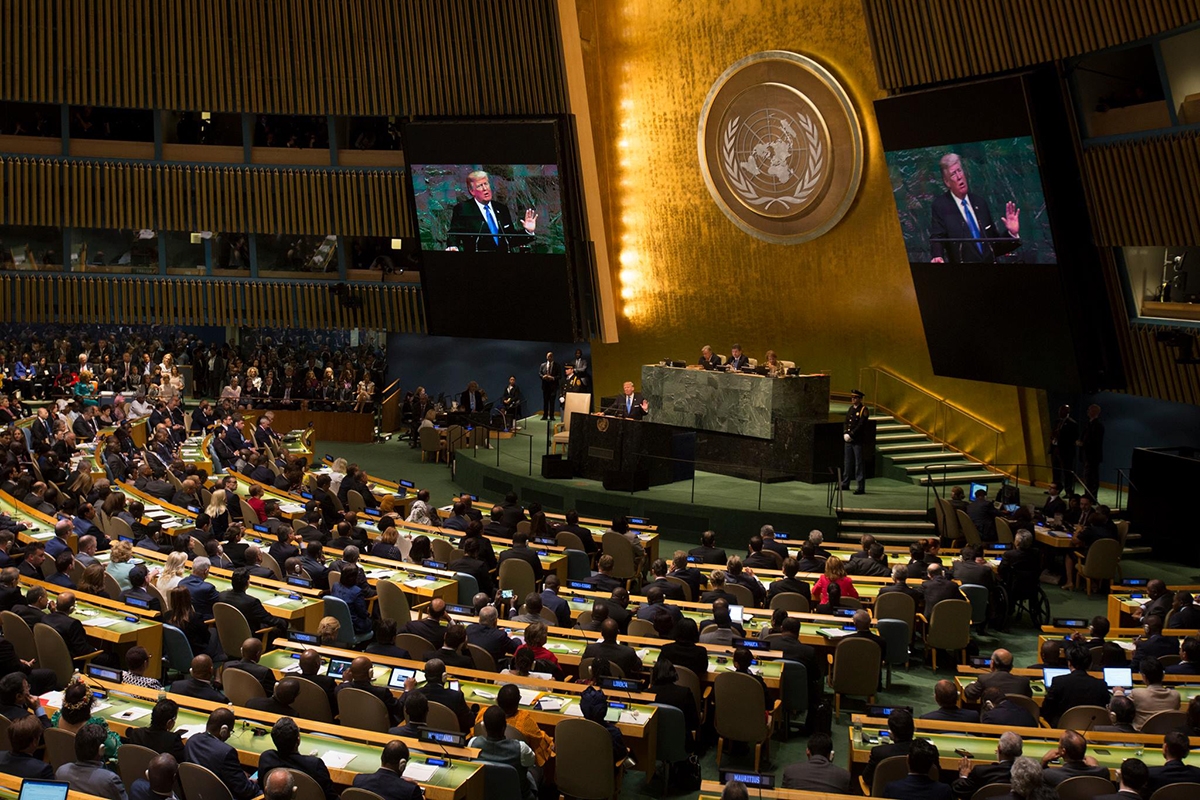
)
(630, 405)
(480, 225)
(959, 215)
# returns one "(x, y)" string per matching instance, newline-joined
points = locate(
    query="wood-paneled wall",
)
(90, 194)
(918, 42)
(312, 306)
(354, 57)
(1145, 192)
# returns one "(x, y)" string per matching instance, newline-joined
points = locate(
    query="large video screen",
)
(972, 203)
(491, 210)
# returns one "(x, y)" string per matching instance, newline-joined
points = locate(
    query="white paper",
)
(101, 622)
(336, 760)
(420, 772)
(477, 692)
(100, 706)
(380, 573)
(52, 699)
(632, 718)
(529, 696)
(416, 583)
(291, 508)
(573, 710)
(190, 730)
(130, 714)
(292, 668)
(1126, 646)
(642, 653)
(551, 703)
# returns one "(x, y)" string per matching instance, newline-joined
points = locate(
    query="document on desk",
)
(131, 714)
(101, 622)
(417, 583)
(529, 696)
(376, 574)
(421, 773)
(291, 508)
(834, 633)
(336, 760)
(551, 703)
(190, 730)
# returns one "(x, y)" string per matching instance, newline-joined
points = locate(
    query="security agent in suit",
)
(960, 214)
(549, 374)
(970, 779)
(630, 405)
(818, 774)
(852, 434)
(482, 225)
(1000, 677)
(1077, 688)
(210, 749)
(287, 755)
(388, 780)
(1091, 445)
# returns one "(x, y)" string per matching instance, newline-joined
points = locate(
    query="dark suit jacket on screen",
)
(948, 223)
(469, 230)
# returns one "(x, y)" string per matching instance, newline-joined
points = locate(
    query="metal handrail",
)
(1122, 479)
(942, 408)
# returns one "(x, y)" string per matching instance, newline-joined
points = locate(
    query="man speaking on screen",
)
(960, 216)
(480, 225)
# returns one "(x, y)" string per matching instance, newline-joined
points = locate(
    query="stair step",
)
(872, 525)
(1136, 551)
(889, 512)
(936, 467)
(913, 436)
(892, 426)
(936, 457)
(979, 476)
(886, 538)
(908, 447)
(1133, 537)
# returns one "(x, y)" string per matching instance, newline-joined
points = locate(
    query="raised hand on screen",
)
(1012, 218)
(530, 221)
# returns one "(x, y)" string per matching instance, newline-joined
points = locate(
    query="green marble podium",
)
(731, 402)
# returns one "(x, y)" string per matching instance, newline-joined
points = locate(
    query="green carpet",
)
(912, 687)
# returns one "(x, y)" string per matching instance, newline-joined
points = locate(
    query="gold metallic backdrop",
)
(688, 277)
(371, 57)
(91, 194)
(930, 41)
(73, 300)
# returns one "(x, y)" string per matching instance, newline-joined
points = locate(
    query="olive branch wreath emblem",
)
(804, 187)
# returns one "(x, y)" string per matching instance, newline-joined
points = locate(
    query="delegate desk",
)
(41, 526)
(1109, 749)
(1188, 686)
(711, 790)
(302, 608)
(10, 789)
(630, 454)
(1123, 601)
(128, 706)
(112, 621)
(413, 579)
(568, 645)
(548, 702)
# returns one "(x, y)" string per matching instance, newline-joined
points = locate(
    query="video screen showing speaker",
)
(991, 208)
(972, 203)
(490, 200)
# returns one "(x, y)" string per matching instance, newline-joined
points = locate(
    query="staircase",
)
(903, 453)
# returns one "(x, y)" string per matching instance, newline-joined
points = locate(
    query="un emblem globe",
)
(769, 149)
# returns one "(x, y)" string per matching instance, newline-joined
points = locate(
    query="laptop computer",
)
(43, 790)
(1050, 673)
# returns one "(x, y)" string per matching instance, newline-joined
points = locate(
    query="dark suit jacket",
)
(692, 577)
(190, 687)
(494, 640)
(1172, 772)
(560, 607)
(692, 656)
(981, 775)
(529, 556)
(206, 749)
(204, 594)
(1004, 681)
(1186, 617)
(313, 766)
(71, 631)
(24, 765)
(469, 230)
(671, 591)
(262, 674)
(1073, 769)
(430, 629)
(938, 590)
(622, 655)
(979, 574)
(464, 401)
(476, 569)
(1074, 689)
(710, 555)
(159, 741)
(816, 775)
(1156, 645)
(952, 715)
(948, 223)
(1010, 716)
(917, 787)
(617, 408)
(386, 783)
(253, 609)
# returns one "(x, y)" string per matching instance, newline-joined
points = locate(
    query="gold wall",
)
(689, 277)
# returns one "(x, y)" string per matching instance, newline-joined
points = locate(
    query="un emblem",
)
(780, 147)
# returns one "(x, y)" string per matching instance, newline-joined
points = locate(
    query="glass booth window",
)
(185, 252)
(31, 247)
(316, 255)
(202, 127)
(30, 119)
(231, 253)
(115, 250)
